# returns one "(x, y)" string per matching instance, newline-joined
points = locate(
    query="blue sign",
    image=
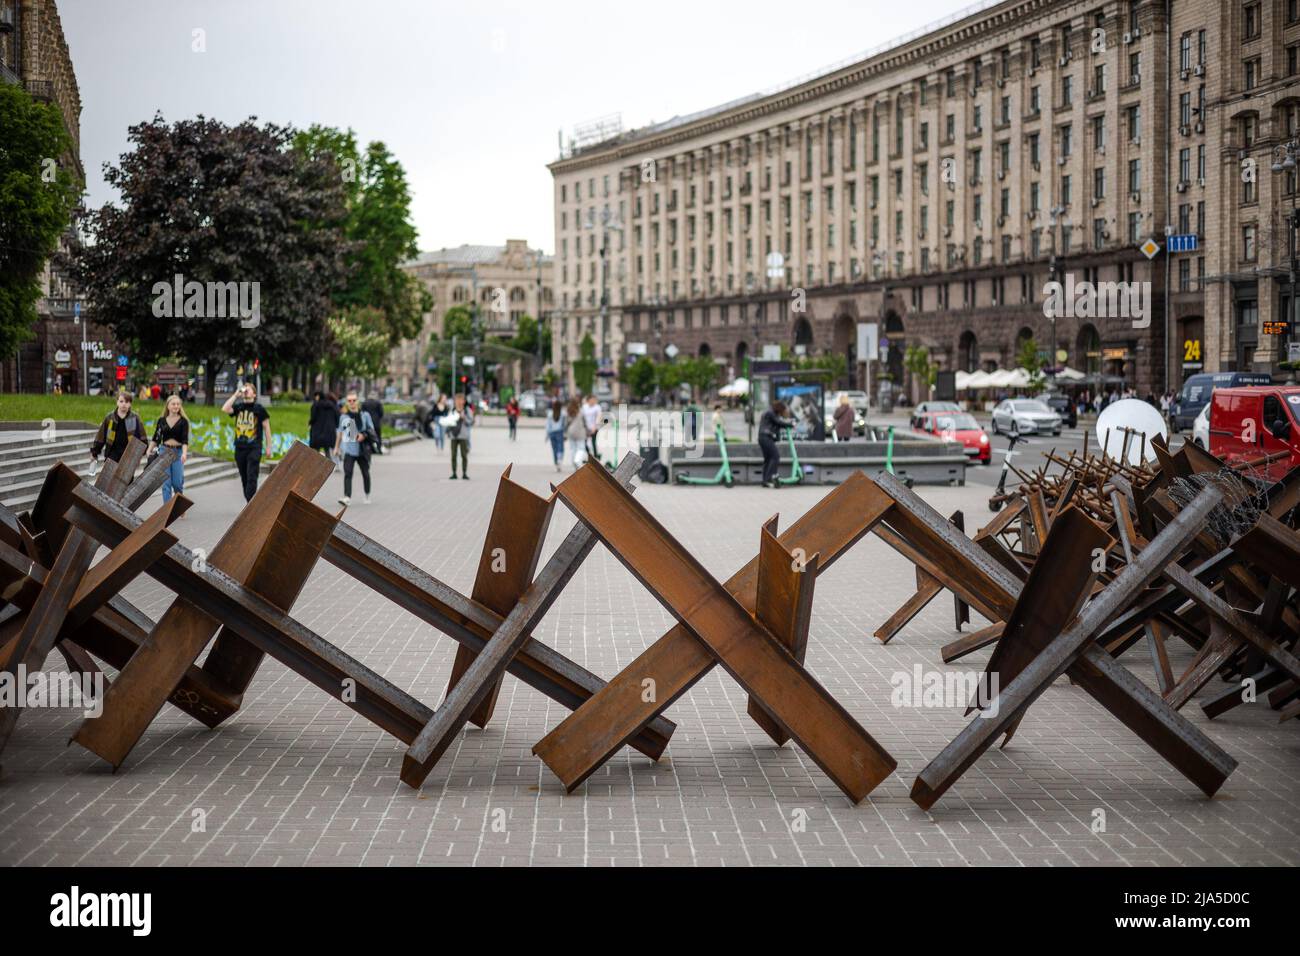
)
(123, 361)
(1187, 243)
(76, 310)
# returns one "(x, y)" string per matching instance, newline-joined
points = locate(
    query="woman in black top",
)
(769, 433)
(173, 431)
(116, 430)
(323, 423)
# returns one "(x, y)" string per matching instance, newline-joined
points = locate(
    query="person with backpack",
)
(252, 427)
(376, 409)
(770, 426)
(458, 423)
(116, 430)
(356, 438)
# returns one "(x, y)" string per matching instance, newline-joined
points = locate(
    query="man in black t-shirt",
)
(252, 427)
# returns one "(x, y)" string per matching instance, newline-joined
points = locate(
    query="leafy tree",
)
(699, 373)
(37, 195)
(917, 361)
(639, 377)
(668, 377)
(216, 204)
(379, 229)
(458, 322)
(356, 350)
(1027, 357)
(833, 365)
(584, 369)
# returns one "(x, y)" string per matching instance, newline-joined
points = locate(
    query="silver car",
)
(1025, 416)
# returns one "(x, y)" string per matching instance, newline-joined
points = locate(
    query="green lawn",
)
(211, 429)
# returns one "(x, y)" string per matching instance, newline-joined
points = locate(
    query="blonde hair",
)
(179, 404)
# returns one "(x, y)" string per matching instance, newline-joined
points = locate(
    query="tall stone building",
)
(507, 282)
(34, 55)
(937, 186)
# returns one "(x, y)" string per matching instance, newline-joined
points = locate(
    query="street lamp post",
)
(608, 223)
(1055, 215)
(1286, 158)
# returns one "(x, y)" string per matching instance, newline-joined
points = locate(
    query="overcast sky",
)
(468, 95)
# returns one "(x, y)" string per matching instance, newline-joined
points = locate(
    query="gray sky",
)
(469, 95)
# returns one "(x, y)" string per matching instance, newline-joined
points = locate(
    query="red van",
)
(1254, 422)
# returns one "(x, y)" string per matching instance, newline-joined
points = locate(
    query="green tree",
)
(639, 377)
(584, 369)
(917, 361)
(356, 350)
(458, 322)
(216, 204)
(700, 374)
(1027, 357)
(668, 378)
(37, 195)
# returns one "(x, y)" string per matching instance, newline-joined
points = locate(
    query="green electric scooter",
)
(796, 472)
(723, 476)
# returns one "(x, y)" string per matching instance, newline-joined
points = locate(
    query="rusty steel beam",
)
(473, 625)
(486, 668)
(596, 731)
(743, 646)
(516, 531)
(48, 615)
(1190, 751)
(256, 619)
(184, 630)
(783, 604)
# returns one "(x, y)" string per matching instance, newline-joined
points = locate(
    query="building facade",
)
(34, 55)
(506, 282)
(937, 187)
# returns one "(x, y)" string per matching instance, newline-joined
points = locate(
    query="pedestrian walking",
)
(843, 418)
(323, 423)
(440, 411)
(356, 439)
(376, 409)
(458, 423)
(575, 430)
(556, 422)
(252, 428)
(512, 417)
(769, 433)
(116, 430)
(172, 431)
(591, 417)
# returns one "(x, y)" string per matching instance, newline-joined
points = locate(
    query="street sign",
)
(775, 265)
(467, 360)
(76, 311)
(1293, 351)
(868, 340)
(1186, 243)
(1150, 248)
(671, 351)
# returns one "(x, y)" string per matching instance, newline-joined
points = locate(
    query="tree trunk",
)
(209, 382)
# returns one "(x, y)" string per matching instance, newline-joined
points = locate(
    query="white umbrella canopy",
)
(961, 379)
(1070, 375)
(1001, 378)
(977, 380)
(735, 389)
(1018, 378)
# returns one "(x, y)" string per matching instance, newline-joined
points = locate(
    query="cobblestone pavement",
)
(295, 778)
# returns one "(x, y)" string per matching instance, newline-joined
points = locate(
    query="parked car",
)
(1025, 416)
(926, 407)
(1064, 406)
(1255, 422)
(1197, 390)
(959, 427)
(1201, 428)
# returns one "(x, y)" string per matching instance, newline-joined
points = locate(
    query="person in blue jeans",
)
(440, 410)
(172, 431)
(556, 423)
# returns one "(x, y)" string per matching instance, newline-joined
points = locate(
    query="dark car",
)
(1198, 389)
(1064, 406)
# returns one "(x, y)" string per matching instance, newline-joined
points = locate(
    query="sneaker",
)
(464, 477)
(366, 500)
(453, 477)
(345, 500)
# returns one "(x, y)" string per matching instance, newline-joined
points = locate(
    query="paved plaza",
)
(296, 778)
